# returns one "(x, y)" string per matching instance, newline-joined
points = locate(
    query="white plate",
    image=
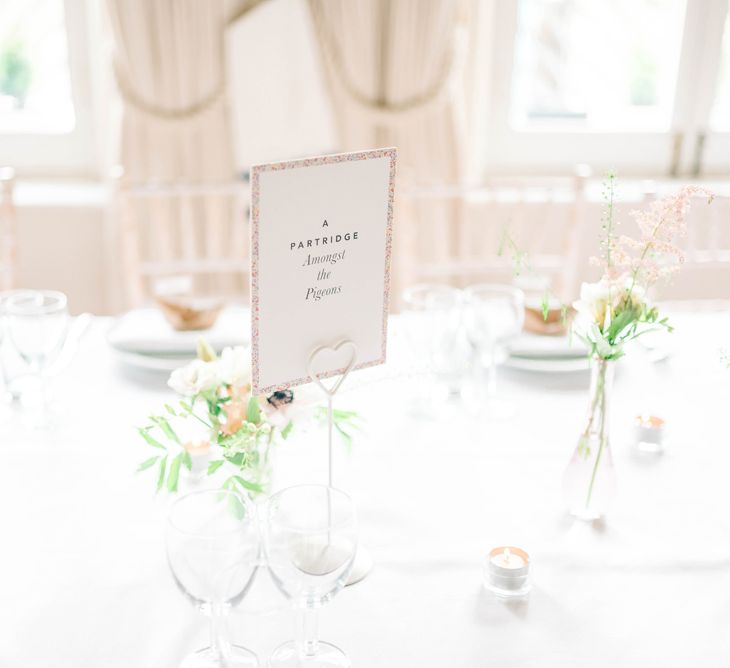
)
(161, 363)
(537, 347)
(145, 331)
(549, 365)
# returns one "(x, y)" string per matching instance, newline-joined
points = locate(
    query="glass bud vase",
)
(589, 482)
(261, 468)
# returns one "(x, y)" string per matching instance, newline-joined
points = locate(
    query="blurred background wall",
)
(507, 114)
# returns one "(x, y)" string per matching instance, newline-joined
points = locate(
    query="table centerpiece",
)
(218, 426)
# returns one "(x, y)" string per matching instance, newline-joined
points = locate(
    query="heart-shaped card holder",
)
(321, 350)
(330, 391)
(363, 562)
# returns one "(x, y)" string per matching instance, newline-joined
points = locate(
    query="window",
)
(596, 65)
(35, 88)
(642, 86)
(720, 119)
(46, 123)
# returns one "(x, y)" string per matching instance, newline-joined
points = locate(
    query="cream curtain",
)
(396, 71)
(169, 65)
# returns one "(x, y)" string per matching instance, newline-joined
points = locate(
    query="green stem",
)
(594, 403)
(197, 417)
(600, 396)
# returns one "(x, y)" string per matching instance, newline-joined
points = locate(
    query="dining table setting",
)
(484, 477)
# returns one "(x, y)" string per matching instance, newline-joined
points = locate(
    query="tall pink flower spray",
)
(617, 308)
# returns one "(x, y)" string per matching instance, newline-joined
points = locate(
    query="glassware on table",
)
(310, 544)
(432, 319)
(589, 481)
(213, 549)
(493, 315)
(37, 323)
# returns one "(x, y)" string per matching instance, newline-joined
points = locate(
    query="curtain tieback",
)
(180, 114)
(436, 96)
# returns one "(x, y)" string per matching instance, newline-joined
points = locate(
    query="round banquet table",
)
(85, 583)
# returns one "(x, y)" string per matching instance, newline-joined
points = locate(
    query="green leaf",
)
(545, 306)
(161, 477)
(186, 406)
(164, 425)
(238, 440)
(236, 506)
(345, 436)
(340, 414)
(174, 474)
(170, 409)
(187, 460)
(250, 486)
(236, 459)
(147, 463)
(153, 442)
(253, 412)
(215, 465)
(619, 323)
(287, 430)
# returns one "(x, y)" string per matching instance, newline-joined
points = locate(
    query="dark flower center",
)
(281, 398)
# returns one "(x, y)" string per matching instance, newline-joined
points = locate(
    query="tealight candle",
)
(507, 571)
(199, 456)
(649, 433)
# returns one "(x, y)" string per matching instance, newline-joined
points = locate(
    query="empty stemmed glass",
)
(213, 548)
(433, 328)
(494, 315)
(37, 322)
(310, 543)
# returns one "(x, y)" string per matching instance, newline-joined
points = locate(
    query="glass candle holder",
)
(506, 572)
(649, 433)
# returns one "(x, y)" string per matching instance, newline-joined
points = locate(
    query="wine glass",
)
(213, 549)
(37, 322)
(494, 315)
(310, 544)
(433, 328)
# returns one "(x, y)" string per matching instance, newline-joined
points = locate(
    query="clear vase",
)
(589, 481)
(261, 468)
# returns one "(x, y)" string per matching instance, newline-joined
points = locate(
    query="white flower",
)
(591, 306)
(196, 376)
(234, 366)
(296, 405)
(603, 348)
(595, 298)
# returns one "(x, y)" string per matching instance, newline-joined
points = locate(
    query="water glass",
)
(432, 319)
(37, 323)
(310, 543)
(494, 315)
(212, 549)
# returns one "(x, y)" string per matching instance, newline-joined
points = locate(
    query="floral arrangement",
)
(617, 308)
(217, 420)
(609, 314)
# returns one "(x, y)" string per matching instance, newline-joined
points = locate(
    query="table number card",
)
(320, 265)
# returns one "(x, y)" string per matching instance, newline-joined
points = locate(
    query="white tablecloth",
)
(84, 581)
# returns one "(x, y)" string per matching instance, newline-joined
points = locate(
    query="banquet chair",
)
(182, 238)
(705, 271)
(7, 229)
(525, 231)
